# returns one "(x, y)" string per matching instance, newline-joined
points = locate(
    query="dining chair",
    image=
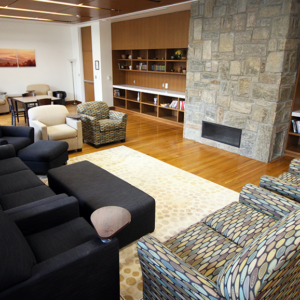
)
(45, 101)
(15, 111)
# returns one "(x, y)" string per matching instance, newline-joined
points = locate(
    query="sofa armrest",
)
(116, 115)
(3, 142)
(88, 271)
(40, 130)
(267, 202)
(18, 131)
(7, 151)
(295, 166)
(282, 187)
(162, 268)
(43, 214)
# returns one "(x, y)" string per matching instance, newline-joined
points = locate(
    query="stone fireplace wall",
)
(242, 66)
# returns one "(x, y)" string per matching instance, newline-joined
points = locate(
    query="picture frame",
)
(97, 64)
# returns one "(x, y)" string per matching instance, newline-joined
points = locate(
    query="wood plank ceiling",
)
(62, 11)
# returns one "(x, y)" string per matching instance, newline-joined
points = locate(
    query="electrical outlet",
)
(163, 85)
(166, 85)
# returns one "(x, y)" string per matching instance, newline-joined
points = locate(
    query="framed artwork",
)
(97, 64)
(8, 58)
(26, 57)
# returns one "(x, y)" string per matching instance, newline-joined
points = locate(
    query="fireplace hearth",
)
(223, 134)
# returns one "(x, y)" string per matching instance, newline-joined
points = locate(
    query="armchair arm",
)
(76, 124)
(116, 115)
(285, 188)
(7, 151)
(3, 142)
(43, 214)
(18, 131)
(267, 202)
(295, 166)
(162, 269)
(88, 271)
(40, 130)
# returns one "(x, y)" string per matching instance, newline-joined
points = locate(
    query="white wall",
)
(53, 47)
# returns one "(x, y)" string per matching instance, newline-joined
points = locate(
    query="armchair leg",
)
(79, 150)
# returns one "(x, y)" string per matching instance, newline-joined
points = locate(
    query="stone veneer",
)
(242, 66)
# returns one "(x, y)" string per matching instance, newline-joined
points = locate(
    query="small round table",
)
(109, 220)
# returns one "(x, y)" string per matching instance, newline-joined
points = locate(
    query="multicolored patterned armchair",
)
(247, 250)
(286, 184)
(101, 125)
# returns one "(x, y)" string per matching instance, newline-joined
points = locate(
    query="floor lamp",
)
(72, 60)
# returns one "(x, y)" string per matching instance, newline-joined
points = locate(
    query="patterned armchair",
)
(286, 184)
(101, 125)
(247, 250)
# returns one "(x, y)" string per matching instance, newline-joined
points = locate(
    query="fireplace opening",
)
(223, 134)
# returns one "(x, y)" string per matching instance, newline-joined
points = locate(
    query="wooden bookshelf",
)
(143, 57)
(146, 105)
(292, 146)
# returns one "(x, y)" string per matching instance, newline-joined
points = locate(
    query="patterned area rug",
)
(182, 199)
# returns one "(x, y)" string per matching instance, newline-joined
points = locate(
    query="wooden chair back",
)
(30, 94)
(45, 101)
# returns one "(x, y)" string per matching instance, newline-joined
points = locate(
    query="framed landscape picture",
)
(26, 57)
(8, 58)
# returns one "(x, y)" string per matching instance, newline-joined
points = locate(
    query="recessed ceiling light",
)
(37, 11)
(27, 18)
(69, 4)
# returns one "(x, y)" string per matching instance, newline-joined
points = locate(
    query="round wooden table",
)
(109, 220)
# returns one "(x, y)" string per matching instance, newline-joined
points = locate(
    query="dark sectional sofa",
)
(47, 250)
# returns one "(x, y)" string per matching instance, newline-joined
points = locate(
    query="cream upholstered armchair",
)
(50, 122)
(4, 107)
(40, 89)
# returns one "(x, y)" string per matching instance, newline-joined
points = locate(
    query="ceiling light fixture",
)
(69, 4)
(36, 11)
(27, 18)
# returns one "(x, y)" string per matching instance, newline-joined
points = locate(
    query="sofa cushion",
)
(18, 142)
(61, 238)
(11, 165)
(18, 181)
(108, 124)
(239, 223)
(43, 151)
(16, 258)
(2, 101)
(61, 132)
(270, 262)
(204, 249)
(25, 196)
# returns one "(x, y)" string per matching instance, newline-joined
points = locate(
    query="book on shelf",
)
(294, 125)
(181, 105)
(117, 93)
(298, 126)
(173, 104)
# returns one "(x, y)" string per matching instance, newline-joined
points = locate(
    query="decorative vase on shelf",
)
(138, 97)
(178, 54)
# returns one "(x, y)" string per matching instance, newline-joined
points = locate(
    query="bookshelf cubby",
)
(146, 105)
(293, 138)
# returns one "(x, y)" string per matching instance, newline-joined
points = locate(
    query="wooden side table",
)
(109, 220)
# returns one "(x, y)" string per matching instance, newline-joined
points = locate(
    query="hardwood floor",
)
(165, 142)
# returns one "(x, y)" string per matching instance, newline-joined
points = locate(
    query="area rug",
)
(182, 199)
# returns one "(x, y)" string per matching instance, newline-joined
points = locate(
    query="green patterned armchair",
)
(101, 125)
(247, 250)
(286, 184)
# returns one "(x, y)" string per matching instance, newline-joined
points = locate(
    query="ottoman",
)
(94, 188)
(44, 155)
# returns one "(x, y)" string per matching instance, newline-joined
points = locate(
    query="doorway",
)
(87, 57)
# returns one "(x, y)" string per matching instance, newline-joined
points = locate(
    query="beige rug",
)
(182, 199)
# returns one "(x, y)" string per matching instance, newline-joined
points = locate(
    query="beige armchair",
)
(40, 89)
(4, 107)
(50, 122)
